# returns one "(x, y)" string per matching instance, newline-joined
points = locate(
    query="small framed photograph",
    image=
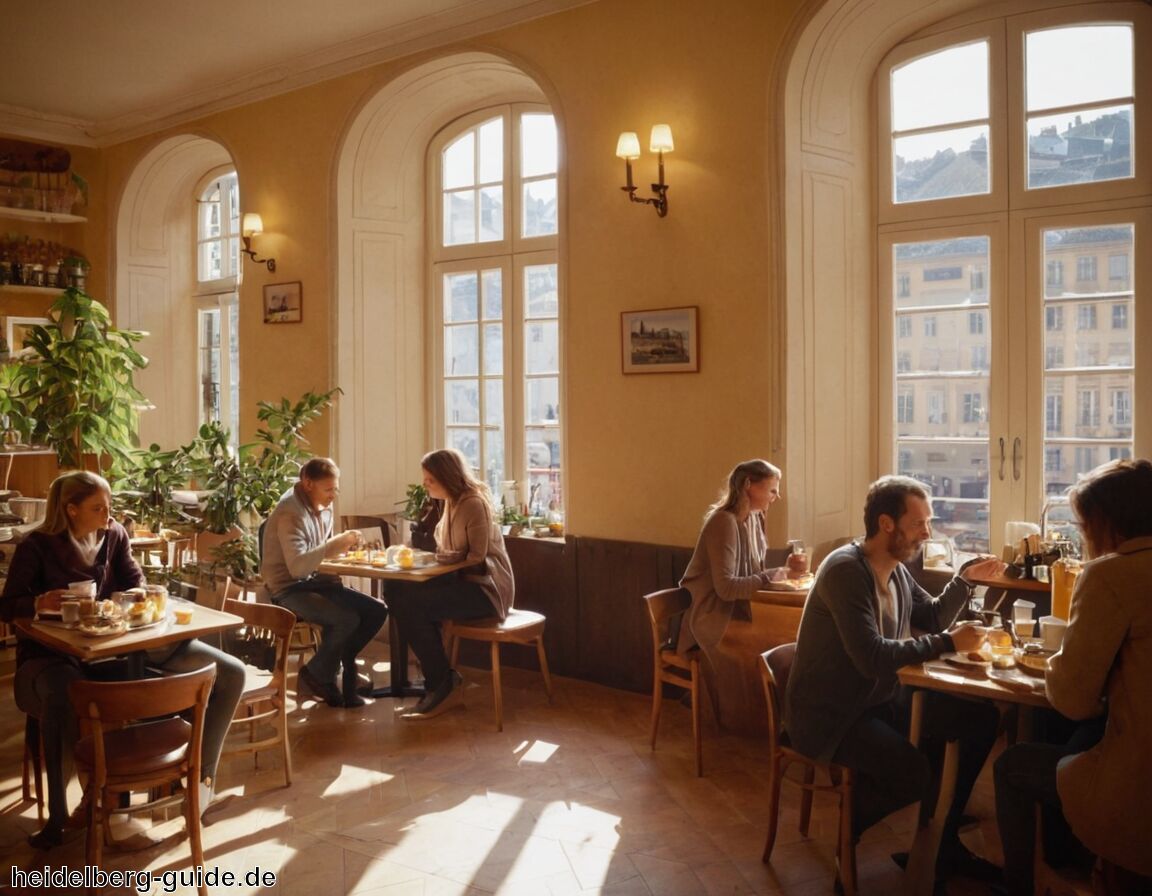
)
(283, 303)
(661, 340)
(16, 328)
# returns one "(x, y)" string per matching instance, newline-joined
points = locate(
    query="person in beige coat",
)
(468, 531)
(1104, 668)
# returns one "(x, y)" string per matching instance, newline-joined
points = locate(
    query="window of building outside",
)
(216, 301)
(498, 304)
(955, 108)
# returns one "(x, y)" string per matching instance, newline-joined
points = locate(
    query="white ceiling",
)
(94, 73)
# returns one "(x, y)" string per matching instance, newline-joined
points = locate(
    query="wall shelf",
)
(31, 214)
(36, 290)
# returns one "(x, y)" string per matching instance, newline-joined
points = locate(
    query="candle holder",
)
(628, 149)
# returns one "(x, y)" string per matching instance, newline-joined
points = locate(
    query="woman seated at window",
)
(468, 531)
(78, 541)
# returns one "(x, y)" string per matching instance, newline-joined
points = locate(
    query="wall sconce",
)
(251, 225)
(628, 148)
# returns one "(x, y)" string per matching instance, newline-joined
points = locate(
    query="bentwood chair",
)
(776, 664)
(156, 755)
(666, 611)
(264, 640)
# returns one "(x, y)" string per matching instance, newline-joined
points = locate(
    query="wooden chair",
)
(150, 755)
(521, 627)
(352, 521)
(666, 611)
(268, 629)
(776, 664)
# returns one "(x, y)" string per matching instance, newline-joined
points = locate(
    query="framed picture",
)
(661, 340)
(283, 303)
(15, 330)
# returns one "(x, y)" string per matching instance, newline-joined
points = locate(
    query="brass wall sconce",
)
(251, 225)
(628, 148)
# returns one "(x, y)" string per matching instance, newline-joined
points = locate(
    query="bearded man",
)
(844, 703)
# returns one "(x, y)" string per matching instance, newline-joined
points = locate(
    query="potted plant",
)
(143, 486)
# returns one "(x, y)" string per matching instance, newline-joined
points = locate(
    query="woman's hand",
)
(49, 601)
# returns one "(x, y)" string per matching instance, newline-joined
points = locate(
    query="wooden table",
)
(70, 641)
(1039, 593)
(9, 455)
(999, 685)
(398, 684)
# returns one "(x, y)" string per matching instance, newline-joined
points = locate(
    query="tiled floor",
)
(567, 799)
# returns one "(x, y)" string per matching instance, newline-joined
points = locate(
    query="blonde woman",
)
(468, 531)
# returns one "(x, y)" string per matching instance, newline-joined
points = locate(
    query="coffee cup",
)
(86, 588)
(1022, 619)
(87, 607)
(1052, 631)
(70, 611)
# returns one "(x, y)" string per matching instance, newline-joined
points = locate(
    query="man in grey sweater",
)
(843, 701)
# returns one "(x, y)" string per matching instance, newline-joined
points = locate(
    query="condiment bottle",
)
(1063, 577)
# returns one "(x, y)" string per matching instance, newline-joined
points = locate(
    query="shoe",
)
(48, 837)
(355, 688)
(325, 690)
(437, 701)
(959, 861)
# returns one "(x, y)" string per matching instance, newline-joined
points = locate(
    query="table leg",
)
(921, 874)
(398, 684)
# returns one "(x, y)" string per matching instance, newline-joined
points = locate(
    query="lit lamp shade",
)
(661, 139)
(628, 146)
(252, 224)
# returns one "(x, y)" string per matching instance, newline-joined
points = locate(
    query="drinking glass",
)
(798, 560)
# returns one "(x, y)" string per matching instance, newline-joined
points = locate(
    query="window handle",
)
(1016, 458)
(1002, 458)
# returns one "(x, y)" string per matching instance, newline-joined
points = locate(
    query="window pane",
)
(942, 376)
(460, 351)
(460, 297)
(491, 214)
(543, 400)
(494, 459)
(460, 218)
(493, 284)
(494, 404)
(541, 347)
(462, 401)
(493, 349)
(539, 201)
(1075, 147)
(1080, 64)
(460, 163)
(949, 86)
(210, 371)
(466, 440)
(492, 151)
(537, 145)
(1089, 381)
(940, 164)
(543, 450)
(541, 299)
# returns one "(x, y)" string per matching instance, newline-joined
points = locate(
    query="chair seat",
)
(259, 683)
(521, 625)
(669, 656)
(139, 749)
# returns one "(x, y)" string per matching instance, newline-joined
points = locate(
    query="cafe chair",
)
(267, 630)
(115, 757)
(666, 611)
(776, 664)
(520, 627)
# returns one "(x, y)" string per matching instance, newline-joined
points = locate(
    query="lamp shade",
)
(661, 138)
(252, 224)
(628, 146)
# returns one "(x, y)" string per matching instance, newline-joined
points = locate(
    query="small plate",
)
(136, 628)
(101, 631)
(964, 661)
(803, 583)
(1033, 663)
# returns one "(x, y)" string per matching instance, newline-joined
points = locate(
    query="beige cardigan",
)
(466, 531)
(1106, 792)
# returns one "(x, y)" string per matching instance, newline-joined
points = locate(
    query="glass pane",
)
(537, 145)
(940, 164)
(494, 403)
(1089, 381)
(542, 400)
(209, 365)
(1080, 64)
(543, 452)
(491, 214)
(466, 440)
(494, 459)
(541, 347)
(493, 349)
(460, 162)
(539, 208)
(462, 401)
(460, 218)
(920, 99)
(492, 151)
(493, 285)
(234, 370)
(1075, 147)
(460, 351)
(541, 296)
(460, 297)
(943, 338)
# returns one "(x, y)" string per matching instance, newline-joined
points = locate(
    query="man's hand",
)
(981, 568)
(345, 541)
(968, 637)
(49, 601)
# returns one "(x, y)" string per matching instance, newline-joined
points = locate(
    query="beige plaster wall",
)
(645, 454)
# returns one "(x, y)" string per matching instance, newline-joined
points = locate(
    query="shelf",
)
(30, 214)
(41, 290)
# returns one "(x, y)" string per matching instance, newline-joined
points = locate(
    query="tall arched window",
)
(1014, 259)
(496, 349)
(217, 300)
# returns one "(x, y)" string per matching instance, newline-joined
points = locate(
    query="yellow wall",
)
(645, 454)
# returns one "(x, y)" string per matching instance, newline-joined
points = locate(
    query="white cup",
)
(83, 589)
(1022, 618)
(1052, 631)
(70, 611)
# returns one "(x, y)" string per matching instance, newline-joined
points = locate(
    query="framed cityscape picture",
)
(283, 303)
(660, 340)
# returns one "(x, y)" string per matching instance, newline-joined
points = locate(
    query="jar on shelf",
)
(35, 275)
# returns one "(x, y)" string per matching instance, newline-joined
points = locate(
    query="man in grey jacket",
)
(843, 701)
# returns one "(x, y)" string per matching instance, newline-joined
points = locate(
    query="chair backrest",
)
(368, 522)
(666, 611)
(775, 666)
(264, 639)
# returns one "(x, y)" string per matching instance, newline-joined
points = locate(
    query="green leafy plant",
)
(238, 557)
(73, 390)
(143, 483)
(415, 496)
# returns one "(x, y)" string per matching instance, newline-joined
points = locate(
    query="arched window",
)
(217, 300)
(496, 319)
(1014, 247)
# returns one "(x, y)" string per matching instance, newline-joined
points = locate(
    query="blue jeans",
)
(349, 620)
